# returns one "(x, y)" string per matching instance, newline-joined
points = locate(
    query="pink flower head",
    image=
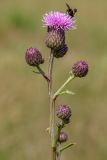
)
(59, 20)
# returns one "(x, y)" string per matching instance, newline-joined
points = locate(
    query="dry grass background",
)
(24, 112)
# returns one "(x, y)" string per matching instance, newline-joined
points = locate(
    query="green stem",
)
(52, 107)
(53, 125)
(64, 85)
(50, 69)
(58, 151)
(43, 73)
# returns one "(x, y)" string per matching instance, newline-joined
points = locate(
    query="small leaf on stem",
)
(36, 72)
(67, 92)
(67, 146)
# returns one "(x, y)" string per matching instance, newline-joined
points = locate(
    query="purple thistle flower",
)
(59, 20)
(64, 112)
(33, 57)
(80, 69)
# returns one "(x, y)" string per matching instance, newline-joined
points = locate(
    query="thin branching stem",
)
(52, 106)
(43, 73)
(71, 77)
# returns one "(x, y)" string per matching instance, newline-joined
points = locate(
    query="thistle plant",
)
(57, 25)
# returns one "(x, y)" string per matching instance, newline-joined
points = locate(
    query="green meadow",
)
(24, 110)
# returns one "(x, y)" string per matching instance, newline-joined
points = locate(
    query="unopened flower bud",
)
(55, 38)
(64, 112)
(61, 51)
(80, 69)
(33, 57)
(66, 121)
(63, 137)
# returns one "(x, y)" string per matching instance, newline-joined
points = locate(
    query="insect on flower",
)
(70, 11)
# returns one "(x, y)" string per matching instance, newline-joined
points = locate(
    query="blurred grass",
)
(24, 112)
(22, 21)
